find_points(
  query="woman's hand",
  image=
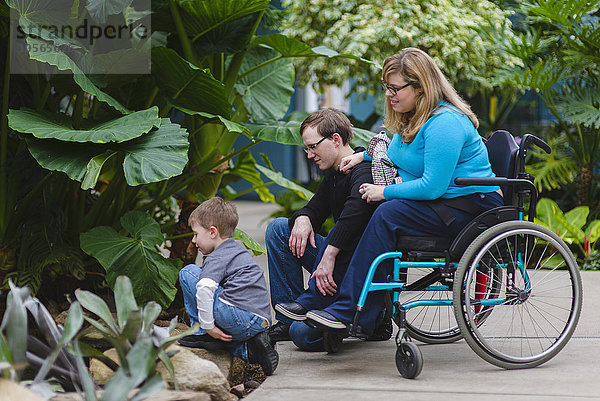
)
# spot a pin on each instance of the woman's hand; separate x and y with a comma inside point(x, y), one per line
point(372, 193)
point(350, 161)
point(218, 334)
point(323, 275)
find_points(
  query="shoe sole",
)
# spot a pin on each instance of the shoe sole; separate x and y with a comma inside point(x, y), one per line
point(289, 314)
point(203, 345)
point(324, 322)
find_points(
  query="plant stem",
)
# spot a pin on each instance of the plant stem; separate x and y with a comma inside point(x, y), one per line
point(181, 185)
point(186, 44)
point(4, 144)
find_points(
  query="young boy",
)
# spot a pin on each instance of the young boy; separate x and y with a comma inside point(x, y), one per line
point(228, 295)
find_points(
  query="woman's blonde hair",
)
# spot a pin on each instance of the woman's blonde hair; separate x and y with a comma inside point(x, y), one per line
point(418, 69)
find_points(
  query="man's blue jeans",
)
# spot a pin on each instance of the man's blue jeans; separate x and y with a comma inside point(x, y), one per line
point(285, 270)
point(240, 324)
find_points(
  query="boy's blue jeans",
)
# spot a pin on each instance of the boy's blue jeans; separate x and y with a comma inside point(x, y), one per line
point(240, 324)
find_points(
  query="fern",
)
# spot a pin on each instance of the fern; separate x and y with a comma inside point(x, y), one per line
point(551, 171)
point(560, 11)
point(581, 105)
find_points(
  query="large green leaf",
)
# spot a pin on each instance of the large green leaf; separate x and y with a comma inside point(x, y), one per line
point(280, 180)
point(266, 88)
point(63, 62)
point(186, 85)
point(286, 132)
point(290, 47)
point(122, 129)
point(153, 276)
point(101, 9)
point(47, 12)
point(231, 126)
point(155, 156)
point(221, 26)
point(249, 242)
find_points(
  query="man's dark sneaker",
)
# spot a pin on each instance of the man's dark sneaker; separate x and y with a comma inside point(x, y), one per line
point(279, 332)
point(324, 320)
point(261, 352)
point(293, 310)
point(202, 341)
point(383, 330)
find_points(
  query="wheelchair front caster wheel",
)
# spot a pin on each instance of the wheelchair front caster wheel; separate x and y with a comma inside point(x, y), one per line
point(409, 360)
point(332, 341)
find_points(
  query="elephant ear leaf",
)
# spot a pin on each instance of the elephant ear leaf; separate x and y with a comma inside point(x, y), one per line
point(135, 255)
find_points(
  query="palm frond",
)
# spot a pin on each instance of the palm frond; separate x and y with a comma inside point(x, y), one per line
point(551, 171)
point(581, 104)
point(559, 11)
point(539, 76)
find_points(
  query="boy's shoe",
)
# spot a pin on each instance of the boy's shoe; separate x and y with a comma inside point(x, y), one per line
point(293, 310)
point(201, 341)
point(324, 320)
point(261, 352)
point(279, 332)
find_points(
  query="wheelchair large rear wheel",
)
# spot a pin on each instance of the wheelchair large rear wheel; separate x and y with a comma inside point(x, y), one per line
point(534, 310)
point(434, 324)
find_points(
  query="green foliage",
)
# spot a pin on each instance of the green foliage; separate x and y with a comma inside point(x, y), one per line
point(570, 225)
point(449, 31)
point(58, 352)
point(113, 137)
point(558, 48)
point(136, 256)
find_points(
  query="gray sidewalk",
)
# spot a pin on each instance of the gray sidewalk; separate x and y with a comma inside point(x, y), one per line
point(367, 371)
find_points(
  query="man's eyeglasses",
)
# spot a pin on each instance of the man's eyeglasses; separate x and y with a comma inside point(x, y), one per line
point(314, 145)
point(394, 89)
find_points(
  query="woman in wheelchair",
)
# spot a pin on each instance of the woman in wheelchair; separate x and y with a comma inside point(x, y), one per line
point(435, 140)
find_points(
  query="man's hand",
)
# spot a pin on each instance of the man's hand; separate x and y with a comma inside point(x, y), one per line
point(350, 161)
point(302, 232)
point(218, 334)
point(372, 193)
point(323, 275)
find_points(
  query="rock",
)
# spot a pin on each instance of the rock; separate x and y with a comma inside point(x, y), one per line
point(197, 374)
point(194, 370)
point(221, 358)
point(164, 395)
point(238, 390)
point(251, 385)
point(99, 371)
point(11, 391)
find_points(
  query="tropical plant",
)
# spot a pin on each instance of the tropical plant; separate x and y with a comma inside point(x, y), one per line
point(558, 48)
point(57, 352)
point(114, 135)
point(570, 227)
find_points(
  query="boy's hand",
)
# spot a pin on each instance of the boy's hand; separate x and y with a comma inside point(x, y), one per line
point(218, 334)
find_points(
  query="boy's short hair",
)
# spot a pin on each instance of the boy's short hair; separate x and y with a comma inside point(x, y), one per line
point(329, 121)
point(216, 212)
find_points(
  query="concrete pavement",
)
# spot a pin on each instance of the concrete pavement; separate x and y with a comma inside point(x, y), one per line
point(367, 371)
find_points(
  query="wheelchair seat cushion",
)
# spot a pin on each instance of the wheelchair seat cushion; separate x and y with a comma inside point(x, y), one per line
point(425, 244)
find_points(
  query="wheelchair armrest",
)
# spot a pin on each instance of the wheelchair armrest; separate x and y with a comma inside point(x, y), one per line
point(499, 181)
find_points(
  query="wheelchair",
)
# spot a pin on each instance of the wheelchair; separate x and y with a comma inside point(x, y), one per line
point(510, 287)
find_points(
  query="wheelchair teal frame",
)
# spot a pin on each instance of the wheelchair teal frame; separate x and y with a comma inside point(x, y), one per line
point(512, 289)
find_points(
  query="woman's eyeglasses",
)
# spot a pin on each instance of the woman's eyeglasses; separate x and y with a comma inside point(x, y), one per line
point(314, 145)
point(394, 89)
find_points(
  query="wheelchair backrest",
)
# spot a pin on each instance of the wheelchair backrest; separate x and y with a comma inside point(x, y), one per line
point(503, 154)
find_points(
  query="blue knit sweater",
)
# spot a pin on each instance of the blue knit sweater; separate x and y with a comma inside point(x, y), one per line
point(446, 147)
